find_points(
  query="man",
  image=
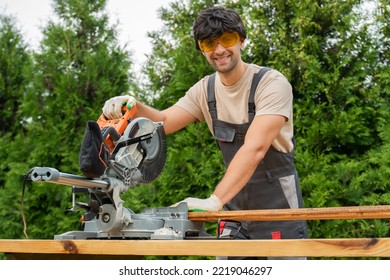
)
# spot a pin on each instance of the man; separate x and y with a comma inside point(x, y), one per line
point(254, 130)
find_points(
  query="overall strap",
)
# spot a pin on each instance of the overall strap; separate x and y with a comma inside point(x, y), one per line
point(255, 81)
point(211, 97)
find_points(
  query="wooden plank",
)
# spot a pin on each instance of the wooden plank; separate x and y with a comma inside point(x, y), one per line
point(330, 213)
point(350, 247)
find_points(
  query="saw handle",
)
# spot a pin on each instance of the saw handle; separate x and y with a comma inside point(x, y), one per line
point(118, 124)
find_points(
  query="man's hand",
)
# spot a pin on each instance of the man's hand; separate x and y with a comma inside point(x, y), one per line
point(112, 108)
point(213, 203)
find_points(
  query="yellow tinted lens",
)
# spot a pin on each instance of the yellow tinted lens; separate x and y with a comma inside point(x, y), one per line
point(226, 40)
point(207, 45)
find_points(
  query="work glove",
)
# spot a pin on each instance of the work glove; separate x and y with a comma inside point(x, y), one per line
point(196, 204)
point(112, 108)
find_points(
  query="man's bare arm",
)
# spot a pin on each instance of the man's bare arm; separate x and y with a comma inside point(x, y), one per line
point(174, 118)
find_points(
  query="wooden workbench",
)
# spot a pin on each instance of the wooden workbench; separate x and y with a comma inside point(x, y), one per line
point(133, 249)
point(130, 249)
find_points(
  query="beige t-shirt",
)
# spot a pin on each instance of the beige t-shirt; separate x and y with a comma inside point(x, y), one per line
point(273, 97)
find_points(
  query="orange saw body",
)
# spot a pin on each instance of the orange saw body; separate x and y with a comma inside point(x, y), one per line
point(119, 126)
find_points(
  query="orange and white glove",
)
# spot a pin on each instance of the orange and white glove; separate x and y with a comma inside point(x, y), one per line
point(213, 203)
point(112, 108)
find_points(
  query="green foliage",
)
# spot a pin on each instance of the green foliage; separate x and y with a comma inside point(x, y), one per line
point(334, 53)
point(14, 63)
point(77, 68)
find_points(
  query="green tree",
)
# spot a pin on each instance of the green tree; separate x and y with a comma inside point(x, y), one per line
point(15, 65)
point(78, 66)
point(15, 61)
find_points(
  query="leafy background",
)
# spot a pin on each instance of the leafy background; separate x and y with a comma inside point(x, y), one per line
point(335, 53)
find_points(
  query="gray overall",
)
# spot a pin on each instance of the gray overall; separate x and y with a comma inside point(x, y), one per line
point(274, 184)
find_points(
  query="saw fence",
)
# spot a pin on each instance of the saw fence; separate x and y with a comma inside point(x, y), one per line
point(130, 249)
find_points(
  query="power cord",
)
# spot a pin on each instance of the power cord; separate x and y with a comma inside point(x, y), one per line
point(26, 177)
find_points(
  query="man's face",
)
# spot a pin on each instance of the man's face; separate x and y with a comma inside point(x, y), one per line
point(223, 53)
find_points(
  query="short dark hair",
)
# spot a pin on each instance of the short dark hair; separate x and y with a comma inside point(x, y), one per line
point(213, 21)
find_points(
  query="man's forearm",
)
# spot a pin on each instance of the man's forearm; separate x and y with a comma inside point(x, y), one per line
point(149, 112)
point(238, 174)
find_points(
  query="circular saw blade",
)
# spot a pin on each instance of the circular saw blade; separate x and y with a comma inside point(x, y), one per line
point(155, 155)
point(139, 156)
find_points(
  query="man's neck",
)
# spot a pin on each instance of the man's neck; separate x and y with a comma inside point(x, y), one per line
point(233, 76)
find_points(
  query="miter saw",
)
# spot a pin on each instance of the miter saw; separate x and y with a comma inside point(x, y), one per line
point(135, 153)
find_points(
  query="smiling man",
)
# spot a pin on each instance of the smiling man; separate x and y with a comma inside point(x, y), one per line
point(248, 109)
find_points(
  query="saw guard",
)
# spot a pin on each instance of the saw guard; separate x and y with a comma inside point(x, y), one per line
point(140, 153)
point(156, 152)
point(135, 145)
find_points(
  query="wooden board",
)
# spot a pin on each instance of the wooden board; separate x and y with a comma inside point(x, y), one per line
point(351, 247)
point(112, 249)
point(330, 213)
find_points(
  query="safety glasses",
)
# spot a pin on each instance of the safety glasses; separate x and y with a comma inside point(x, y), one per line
point(227, 39)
